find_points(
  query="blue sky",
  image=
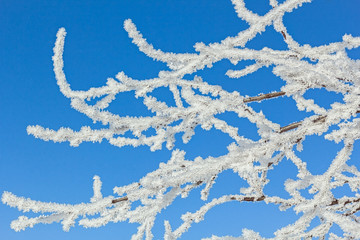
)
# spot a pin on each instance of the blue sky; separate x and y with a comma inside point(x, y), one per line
point(97, 47)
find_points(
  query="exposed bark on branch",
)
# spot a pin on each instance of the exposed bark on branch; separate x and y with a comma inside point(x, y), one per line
point(297, 124)
point(263, 96)
point(122, 199)
point(250, 199)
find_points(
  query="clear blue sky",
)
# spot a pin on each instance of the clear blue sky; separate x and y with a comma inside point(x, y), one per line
point(97, 47)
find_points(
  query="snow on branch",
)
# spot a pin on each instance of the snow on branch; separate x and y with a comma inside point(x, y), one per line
point(331, 69)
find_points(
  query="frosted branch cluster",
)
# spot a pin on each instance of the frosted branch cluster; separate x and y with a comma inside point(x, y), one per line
point(198, 104)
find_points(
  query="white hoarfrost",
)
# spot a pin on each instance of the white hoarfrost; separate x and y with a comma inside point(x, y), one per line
point(330, 68)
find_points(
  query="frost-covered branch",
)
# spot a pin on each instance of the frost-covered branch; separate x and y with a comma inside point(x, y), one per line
point(198, 104)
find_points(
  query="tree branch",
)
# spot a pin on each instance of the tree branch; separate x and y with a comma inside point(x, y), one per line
point(122, 199)
point(264, 96)
point(249, 199)
point(297, 124)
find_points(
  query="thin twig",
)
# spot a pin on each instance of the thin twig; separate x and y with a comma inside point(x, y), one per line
point(294, 125)
point(122, 199)
point(249, 199)
point(263, 96)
